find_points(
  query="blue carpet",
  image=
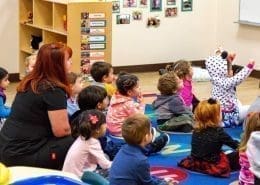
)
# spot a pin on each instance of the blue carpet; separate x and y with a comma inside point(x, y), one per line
point(178, 148)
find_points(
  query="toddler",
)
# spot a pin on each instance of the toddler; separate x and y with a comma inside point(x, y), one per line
point(102, 73)
point(125, 102)
point(4, 82)
point(86, 153)
point(76, 84)
point(171, 112)
point(184, 71)
point(246, 177)
point(253, 153)
point(224, 86)
point(30, 63)
point(207, 140)
point(131, 166)
point(91, 97)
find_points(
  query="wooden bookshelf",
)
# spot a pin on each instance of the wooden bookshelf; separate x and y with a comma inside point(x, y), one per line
point(48, 22)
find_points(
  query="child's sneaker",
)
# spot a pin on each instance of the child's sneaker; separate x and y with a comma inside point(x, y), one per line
point(159, 143)
point(154, 133)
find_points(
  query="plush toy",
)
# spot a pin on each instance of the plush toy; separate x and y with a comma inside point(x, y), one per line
point(224, 84)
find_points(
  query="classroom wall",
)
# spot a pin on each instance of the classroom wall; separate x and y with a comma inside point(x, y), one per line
point(191, 35)
point(242, 39)
point(9, 35)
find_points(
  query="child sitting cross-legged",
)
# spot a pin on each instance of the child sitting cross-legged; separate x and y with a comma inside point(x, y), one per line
point(103, 75)
point(207, 140)
point(131, 166)
point(76, 84)
point(86, 152)
point(171, 112)
point(124, 103)
point(246, 177)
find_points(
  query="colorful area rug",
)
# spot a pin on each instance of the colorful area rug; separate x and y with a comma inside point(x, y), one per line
point(164, 164)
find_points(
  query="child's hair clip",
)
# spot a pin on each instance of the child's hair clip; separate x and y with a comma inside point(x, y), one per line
point(212, 101)
point(93, 119)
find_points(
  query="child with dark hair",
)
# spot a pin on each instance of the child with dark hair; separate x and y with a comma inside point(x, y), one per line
point(122, 103)
point(246, 177)
point(172, 114)
point(91, 97)
point(125, 102)
point(131, 166)
point(102, 73)
point(86, 152)
point(4, 82)
point(75, 81)
point(207, 140)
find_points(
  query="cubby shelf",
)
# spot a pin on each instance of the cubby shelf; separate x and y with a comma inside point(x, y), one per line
point(59, 21)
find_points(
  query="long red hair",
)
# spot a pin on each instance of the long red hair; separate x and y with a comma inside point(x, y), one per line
point(49, 69)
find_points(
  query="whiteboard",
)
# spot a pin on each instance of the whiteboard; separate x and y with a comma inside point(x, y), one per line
point(249, 12)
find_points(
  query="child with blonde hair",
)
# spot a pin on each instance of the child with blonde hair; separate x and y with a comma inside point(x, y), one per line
point(207, 140)
point(76, 84)
point(171, 112)
point(85, 154)
point(253, 153)
point(184, 71)
point(246, 177)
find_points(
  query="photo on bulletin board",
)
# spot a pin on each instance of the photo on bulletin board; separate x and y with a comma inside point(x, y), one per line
point(85, 30)
point(84, 15)
point(153, 22)
point(137, 15)
point(171, 12)
point(115, 6)
point(129, 3)
point(123, 19)
point(186, 5)
point(143, 3)
point(171, 2)
point(156, 5)
point(84, 39)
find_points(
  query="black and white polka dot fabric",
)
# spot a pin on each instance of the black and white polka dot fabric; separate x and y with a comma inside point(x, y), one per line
point(223, 87)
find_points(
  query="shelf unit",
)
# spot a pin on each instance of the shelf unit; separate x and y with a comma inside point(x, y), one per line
point(48, 22)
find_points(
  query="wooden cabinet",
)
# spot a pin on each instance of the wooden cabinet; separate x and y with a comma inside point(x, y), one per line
point(60, 21)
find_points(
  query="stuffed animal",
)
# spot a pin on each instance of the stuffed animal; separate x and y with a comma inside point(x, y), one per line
point(224, 84)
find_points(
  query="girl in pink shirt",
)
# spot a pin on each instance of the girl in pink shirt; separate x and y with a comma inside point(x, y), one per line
point(185, 72)
point(86, 152)
point(246, 177)
point(124, 103)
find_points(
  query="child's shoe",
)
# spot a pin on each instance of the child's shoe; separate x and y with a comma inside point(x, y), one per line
point(158, 144)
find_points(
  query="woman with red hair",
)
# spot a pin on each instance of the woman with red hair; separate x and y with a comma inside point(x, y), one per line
point(37, 132)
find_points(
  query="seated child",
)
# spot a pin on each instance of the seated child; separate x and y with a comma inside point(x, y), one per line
point(184, 71)
point(4, 82)
point(125, 102)
point(91, 97)
point(30, 63)
point(75, 81)
point(207, 140)
point(253, 153)
point(86, 152)
point(252, 124)
point(131, 166)
point(171, 112)
point(102, 73)
point(224, 85)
